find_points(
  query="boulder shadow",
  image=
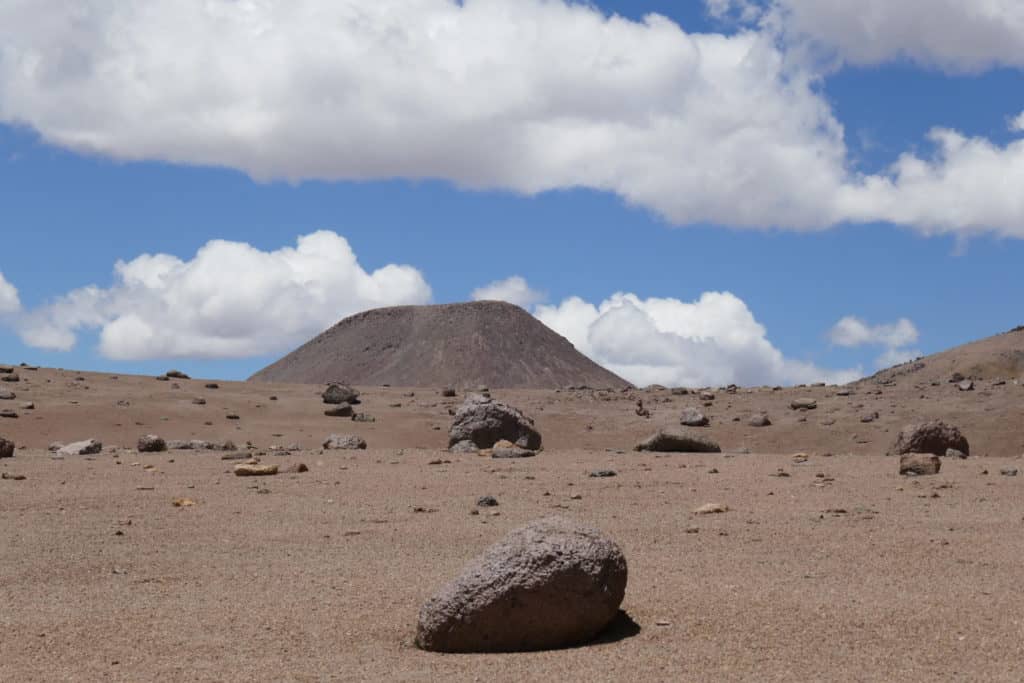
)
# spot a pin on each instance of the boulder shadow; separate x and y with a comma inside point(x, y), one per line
point(621, 628)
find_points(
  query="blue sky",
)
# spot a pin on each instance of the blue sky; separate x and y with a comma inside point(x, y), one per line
point(86, 185)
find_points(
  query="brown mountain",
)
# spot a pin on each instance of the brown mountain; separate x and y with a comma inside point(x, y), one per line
point(461, 345)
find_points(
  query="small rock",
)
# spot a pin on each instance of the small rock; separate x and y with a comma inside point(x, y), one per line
point(177, 374)
point(678, 442)
point(760, 420)
point(954, 453)
point(254, 470)
point(603, 473)
point(966, 385)
point(212, 385)
point(88, 447)
point(692, 417)
point(199, 401)
point(151, 443)
point(12, 377)
point(344, 442)
point(486, 501)
point(9, 414)
point(7, 396)
point(869, 417)
point(6, 448)
point(1008, 471)
point(183, 502)
point(28, 405)
point(803, 404)
point(711, 509)
point(920, 464)
point(448, 392)
point(363, 417)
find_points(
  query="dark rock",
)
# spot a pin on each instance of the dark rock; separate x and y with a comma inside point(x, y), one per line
point(486, 501)
point(1008, 471)
point(212, 385)
point(678, 442)
point(603, 473)
point(340, 393)
point(930, 437)
point(448, 392)
point(340, 410)
point(692, 417)
point(10, 414)
point(485, 422)
point(954, 453)
point(760, 420)
point(88, 447)
point(345, 442)
point(199, 401)
point(7, 396)
point(920, 463)
point(12, 377)
point(177, 374)
point(151, 443)
point(550, 584)
point(6, 448)
point(363, 417)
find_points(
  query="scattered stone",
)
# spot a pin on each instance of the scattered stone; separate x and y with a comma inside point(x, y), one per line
point(340, 410)
point(254, 470)
point(803, 404)
point(760, 420)
point(7, 396)
point(349, 442)
point(297, 468)
point(1008, 471)
point(954, 453)
point(6, 369)
point(151, 443)
point(363, 417)
point(920, 464)
point(162, 378)
point(711, 509)
point(212, 385)
point(485, 421)
point(10, 414)
point(679, 391)
point(486, 501)
point(707, 396)
point(232, 416)
point(692, 417)
point(604, 473)
point(6, 448)
point(88, 447)
point(340, 393)
point(507, 449)
point(177, 374)
point(465, 446)
point(550, 584)
point(678, 442)
point(869, 417)
point(12, 477)
point(966, 385)
point(448, 392)
point(12, 377)
point(28, 405)
point(199, 401)
point(930, 437)
point(183, 502)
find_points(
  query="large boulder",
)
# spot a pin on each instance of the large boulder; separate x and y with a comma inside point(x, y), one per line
point(550, 584)
point(692, 417)
point(484, 421)
point(6, 448)
point(336, 394)
point(678, 442)
point(930, 437)
point(87, 447)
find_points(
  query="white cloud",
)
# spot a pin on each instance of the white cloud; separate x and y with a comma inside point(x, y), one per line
point(9, 301)
point(712, 341)
point(852, 332)
point(953, 35)
point(514, 290)
point(1017, 123)
point(522, 95)
point(229, 300)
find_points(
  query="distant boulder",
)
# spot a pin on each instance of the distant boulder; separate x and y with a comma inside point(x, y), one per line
point(934, 437)
point(678, 442)
point(484, 421)
point(177, 374)
point(340, 393)
point(550, 584)
point(348, 442)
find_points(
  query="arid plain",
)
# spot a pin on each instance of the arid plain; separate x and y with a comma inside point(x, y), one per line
point(828, 565)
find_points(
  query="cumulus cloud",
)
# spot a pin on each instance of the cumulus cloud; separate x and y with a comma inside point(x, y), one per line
point(9, 301)
point(712, 341)
point(230, 300)
point(852, 332)
point(514, 290)
point(1017, 123)
point(953, 35)
point(520, 95)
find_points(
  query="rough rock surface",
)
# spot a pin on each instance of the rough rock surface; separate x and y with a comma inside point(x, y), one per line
point(549, 584)
point(920, 463)
point(151, 443)
point(930, 437)
point(692, 417)
point(484, 421)
point(87, 447)
point(349, 442)
point(678, 442)
point(337, 394)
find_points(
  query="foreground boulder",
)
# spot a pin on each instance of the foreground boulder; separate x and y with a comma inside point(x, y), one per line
point(550, 584)
point(87, 447)
point(337, 394)
point(678, 442)
point(151, 443)
point(920, 464)
point(343, 442)
point(484, 421)
point(930, 437)
point(6, 448)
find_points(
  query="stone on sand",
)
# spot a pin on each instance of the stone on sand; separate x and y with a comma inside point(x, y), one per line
point(549, 584)
point(803, 404)
point(484, 421)
point(87, 447)
point(151, 443)
point(7, 396)
point(339, 393)
point(920, 463)
point(934, 436)
point(255, 470)
point(6, 448)
point(678, 442)
point(759, 420)
point(349, 442)
point(692, 417)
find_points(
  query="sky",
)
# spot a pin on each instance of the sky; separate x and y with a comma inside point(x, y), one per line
point(694, 193)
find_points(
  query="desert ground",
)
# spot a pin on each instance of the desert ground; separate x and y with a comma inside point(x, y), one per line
point(827, 566)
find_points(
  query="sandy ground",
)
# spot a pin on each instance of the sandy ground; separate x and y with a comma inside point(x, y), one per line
point(841, 571)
